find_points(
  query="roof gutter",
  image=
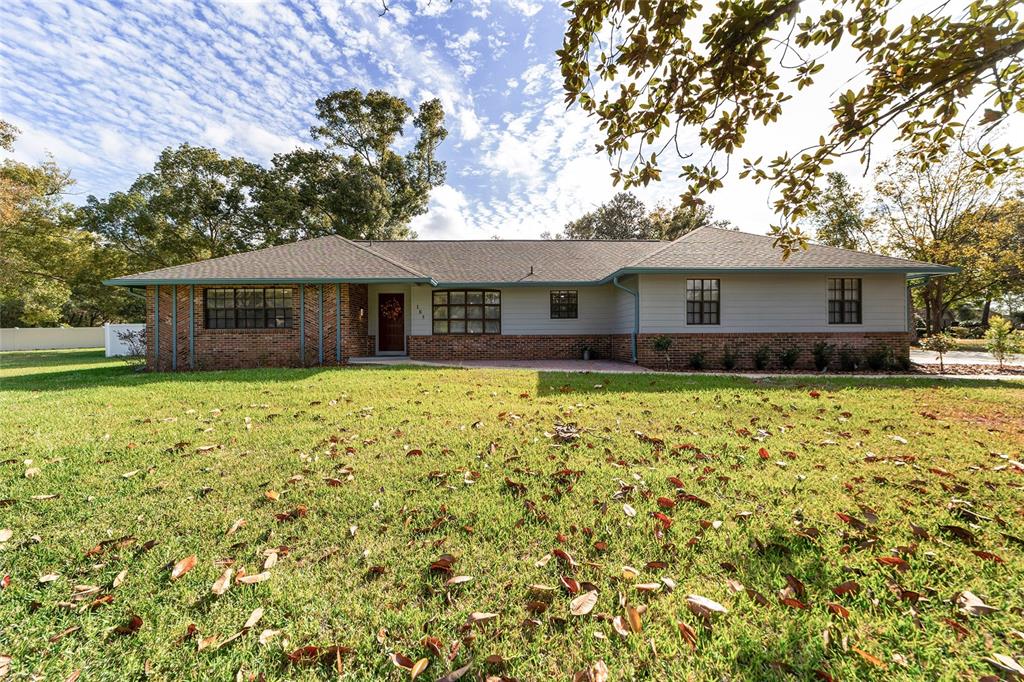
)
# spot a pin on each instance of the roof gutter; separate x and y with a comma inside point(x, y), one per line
point(270, 280)
point(636, 315)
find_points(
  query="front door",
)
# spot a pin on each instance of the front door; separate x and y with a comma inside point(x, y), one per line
point(391, 323)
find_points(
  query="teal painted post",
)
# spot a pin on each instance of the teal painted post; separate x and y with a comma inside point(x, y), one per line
point(337, 322)
point(192, 326)
point(302, 324)
point(320, 321)
point(174, 327)
point(156, 326)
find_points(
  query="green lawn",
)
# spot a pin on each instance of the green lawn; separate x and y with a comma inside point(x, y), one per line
point(113, 476)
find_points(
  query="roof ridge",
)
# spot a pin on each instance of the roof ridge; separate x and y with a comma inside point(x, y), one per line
point(384, 258)
point(652, 254)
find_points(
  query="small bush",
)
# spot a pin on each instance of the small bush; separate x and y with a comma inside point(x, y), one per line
point(761, 357)
point(1001, 340)
point(849, 360)
point(729, 358)
point(822, 355)
point(135, 341)
point(879, 358)
point(789, 357)
point(662, 344)
point(941, 344)
point(960, 332)
point(902, 363)
point(697, 361)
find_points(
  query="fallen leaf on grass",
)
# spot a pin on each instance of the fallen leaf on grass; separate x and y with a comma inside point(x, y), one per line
point(183, 567)
point(480, 617)
point(838, 610)
point(583, 604)
point(873, 660)
point(272, 495)
point(119, 579)
point(704, 607)
point(849, 587)
point(235, 526)
point(455, 675)
point(253, 579)
point(129, 628)
point(308, 655)
point(221, 585)
point(689, 635)
point(458, 580)
point(6, 534)
point(1006, 665)
point(595, 672)
point(972, 604)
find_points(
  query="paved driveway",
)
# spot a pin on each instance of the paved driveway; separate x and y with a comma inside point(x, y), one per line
point(961, 357)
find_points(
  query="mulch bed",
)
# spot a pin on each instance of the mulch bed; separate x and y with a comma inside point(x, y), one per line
point(967, 370)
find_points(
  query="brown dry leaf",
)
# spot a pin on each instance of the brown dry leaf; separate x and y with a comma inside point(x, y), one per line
point(235, 526)
point(272, 495)
point(633, 616)
point(253, 618)
point(480, 616)
point(583, 604)
point(1006, 665)
point(119, 579)
point(253, 579)
point(595, 672)
point(418, 667)
point(5, 666)
point(32, 472)
point(6, 534)
point(221, 585)
point(689, 635)
point(49, 578)
point(972, 604)
point(704, 607)
point(458, 580)
point(270, 561)
point(183, 567)
point(455, 675)
point(131, 627)
point(267, 635)
point(873, 660)
point(628, 510)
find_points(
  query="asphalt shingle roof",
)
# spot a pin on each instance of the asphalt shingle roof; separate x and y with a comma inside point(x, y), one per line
point(517, 261)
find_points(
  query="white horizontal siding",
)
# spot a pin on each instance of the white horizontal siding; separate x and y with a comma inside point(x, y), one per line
point(526, 311)
point(772, 303)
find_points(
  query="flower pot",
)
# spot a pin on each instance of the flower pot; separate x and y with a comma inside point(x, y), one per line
point(588, 354)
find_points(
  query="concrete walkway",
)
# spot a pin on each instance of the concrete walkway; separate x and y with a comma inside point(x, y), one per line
point(615, 367)
point(962, 357)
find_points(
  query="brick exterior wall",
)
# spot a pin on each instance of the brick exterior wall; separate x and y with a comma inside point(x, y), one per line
point(229, 348)
point(744, 346)
point(237, 348)
point(502, 347)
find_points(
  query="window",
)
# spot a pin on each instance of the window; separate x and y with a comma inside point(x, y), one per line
point(248, 308)
point(844, 301)
point(467, 312)
point(564, 305)
point(702, 301)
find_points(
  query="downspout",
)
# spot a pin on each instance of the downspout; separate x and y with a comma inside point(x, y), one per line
point(636, 315)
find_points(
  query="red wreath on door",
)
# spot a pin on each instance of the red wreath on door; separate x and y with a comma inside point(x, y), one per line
point(391, 310)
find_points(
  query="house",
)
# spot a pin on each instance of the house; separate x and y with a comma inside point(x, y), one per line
point(325, 301)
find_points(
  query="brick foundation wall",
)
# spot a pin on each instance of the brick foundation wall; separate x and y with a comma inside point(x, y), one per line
point(744, 346)
point(505, 347)
point(238, 348)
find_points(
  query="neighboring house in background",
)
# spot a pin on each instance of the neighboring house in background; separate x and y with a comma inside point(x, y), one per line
point(327, 300)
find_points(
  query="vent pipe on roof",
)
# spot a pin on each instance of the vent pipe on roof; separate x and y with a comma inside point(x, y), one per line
point(531, 270)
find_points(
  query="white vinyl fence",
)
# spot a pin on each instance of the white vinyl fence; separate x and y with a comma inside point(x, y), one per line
point(114, 345)
point(47, 338)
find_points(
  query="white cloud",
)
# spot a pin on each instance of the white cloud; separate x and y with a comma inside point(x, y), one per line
point(447, 217)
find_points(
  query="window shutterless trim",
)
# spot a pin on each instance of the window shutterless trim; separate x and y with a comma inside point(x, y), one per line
point(564, 304)
point(703, 302)
point(234, 308)
point(845, 300)
point(450, 309)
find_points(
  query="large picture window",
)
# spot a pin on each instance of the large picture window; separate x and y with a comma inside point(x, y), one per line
point(844, 301)
point(467, 312)
point(248, 308)
point(564, 304)
point(702, 302)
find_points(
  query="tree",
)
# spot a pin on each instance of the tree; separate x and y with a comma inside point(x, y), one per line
point(648, 70)
point(839, 217)
point(48, 272)
point(1002, 340)
point(945, 213)
point(194, 204)
point(622, 217)
point(358, 186)
point(672, 223)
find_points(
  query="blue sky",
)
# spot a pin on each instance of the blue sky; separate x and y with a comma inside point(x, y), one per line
point(104, 86)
